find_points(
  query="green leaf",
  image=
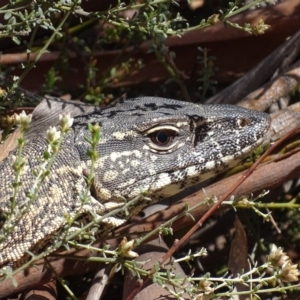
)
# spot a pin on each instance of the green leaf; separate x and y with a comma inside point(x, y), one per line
point(7, 15)
point(16, 40)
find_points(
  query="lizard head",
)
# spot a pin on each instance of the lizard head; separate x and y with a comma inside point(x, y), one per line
point(162, 146)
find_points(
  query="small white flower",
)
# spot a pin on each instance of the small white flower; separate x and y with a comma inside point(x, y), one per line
point(277, 257)
point(205, 286)
point(290, 273)
point(23, 120)
point(53, 134)
point(65, 122)
point(125, 249)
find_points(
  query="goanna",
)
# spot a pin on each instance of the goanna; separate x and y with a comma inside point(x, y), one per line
point(150, 144)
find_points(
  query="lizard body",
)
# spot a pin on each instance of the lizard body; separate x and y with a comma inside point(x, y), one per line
point(150, 144)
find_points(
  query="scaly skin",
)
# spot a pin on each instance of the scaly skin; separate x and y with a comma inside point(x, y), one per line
point(157, 145)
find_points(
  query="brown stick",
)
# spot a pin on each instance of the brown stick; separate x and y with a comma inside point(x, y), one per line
point(271, 92)
point(259, 74)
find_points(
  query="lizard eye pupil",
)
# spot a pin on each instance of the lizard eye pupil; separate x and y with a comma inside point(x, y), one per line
point(162, 137)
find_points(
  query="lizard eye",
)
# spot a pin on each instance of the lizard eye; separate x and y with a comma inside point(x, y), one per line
point(162, 137)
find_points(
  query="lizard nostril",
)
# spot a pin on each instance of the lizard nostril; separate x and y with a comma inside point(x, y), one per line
point(243, 122)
